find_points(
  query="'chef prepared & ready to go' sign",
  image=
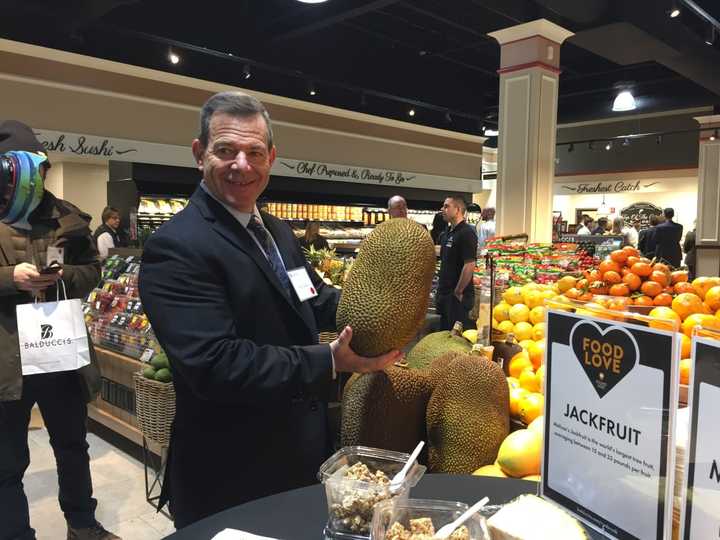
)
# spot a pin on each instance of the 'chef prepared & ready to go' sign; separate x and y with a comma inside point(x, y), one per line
point(610, 401)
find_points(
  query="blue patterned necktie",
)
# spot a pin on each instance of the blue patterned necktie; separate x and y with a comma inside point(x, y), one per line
point(256, 227)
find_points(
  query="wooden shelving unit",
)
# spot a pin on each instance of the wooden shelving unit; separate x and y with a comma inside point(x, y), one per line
point(119, 369)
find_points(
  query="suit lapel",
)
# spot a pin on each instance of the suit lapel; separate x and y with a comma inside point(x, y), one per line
point(228, 227)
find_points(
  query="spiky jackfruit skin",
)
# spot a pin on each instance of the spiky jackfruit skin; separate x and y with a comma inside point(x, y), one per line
point(434, 345)
point(386, 409)
point(386, 295)
point(467, 415)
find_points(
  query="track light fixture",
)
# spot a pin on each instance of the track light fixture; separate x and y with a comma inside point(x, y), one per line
point(571, 147)
point(626, 142)
point(591, 146)
point(174, 58)
point(659, 139)
point(448, 117)
point(714, 136)
point(411, 112)
point(246, 72)
point(710, 36)
point(609, 146)
point(311, 88)
point(674, 9)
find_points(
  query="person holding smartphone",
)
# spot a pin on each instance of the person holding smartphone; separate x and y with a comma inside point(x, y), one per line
point(42, 239)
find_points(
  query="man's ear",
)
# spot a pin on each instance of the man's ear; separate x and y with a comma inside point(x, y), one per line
point(272, 155)
point(198, 151)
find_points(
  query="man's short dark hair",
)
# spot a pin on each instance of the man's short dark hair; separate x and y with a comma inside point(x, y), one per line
point(108, 212)
point(233, 104)
point(459, 202)
point(488, 213)
point(669, 213)
point(654, 220)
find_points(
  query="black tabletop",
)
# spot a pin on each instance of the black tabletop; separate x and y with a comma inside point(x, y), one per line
point(302, 513)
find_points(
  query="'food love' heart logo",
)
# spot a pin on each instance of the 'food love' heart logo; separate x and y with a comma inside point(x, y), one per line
point(606, 356)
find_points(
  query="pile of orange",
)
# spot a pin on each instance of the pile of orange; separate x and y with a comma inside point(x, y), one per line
point(629, 279)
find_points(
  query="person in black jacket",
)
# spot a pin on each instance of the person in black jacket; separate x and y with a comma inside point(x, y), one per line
point(241, 332)
point(646, 238)
point(690, 256)
point(668, 235)
point(312, 237)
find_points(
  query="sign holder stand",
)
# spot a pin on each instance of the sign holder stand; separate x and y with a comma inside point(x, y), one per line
point(610, 460)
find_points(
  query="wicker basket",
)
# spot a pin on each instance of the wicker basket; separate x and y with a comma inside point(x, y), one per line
point(327, 337)
point(155, 407)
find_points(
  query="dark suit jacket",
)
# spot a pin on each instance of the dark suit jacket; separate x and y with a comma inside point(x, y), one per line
point(647, 242)
point(250, 379)
point(667, 236)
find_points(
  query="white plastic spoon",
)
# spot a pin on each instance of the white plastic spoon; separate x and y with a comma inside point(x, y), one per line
point(398, 479)
point(446, 530)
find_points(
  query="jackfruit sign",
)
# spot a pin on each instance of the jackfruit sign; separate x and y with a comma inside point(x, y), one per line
point(610, 404)
point(700, 518)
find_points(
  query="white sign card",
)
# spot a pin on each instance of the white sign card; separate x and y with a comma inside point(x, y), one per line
point(302, 284)
point(700, 518)
point(610, 403)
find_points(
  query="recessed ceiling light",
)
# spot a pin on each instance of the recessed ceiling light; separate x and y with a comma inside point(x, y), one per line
point(624, 101)
point(411, 112)
point(246, 72)
point(174, 58)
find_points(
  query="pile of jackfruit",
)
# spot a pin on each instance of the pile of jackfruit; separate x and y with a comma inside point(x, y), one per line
point(455, 399)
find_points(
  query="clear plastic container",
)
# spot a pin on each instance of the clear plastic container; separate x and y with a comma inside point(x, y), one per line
point(351, 502)
point(441, 513)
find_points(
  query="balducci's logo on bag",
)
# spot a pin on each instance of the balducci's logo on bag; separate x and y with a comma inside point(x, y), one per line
point(605, 356)
point(46, 339)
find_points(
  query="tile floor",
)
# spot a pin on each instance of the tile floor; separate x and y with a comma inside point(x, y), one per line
point(119, 487)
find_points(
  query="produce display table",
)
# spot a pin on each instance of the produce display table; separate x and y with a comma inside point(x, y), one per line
point(302, 513)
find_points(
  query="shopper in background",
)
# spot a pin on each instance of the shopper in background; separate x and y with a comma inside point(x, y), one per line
point(439, 225)
point(312, 237)
point(646, 238)
point(486, 228)
point(690, 256)
point(620, 229)
point(106, 235)
point(251, 380)
point(631, 233)
point(397, 207)
point(27, 228)
point(668, 235)
point(458, 251)
point(601, 227)
point(585, 224)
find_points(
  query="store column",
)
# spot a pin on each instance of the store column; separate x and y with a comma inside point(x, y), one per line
point(707, 236)
point(529, 73)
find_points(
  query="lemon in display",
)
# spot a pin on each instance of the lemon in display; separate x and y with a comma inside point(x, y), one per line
point(506, 327)
point(539, 331)
point(523, 331)
point(501, 312)
point(537, 314)
point(513, 296)
point(519, 313)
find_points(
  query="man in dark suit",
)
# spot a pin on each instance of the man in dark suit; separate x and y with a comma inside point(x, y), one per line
point(667, 236)
point(646, 239)
point(219, 285)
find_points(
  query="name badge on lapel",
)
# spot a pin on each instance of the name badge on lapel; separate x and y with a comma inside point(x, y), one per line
point(302, 284)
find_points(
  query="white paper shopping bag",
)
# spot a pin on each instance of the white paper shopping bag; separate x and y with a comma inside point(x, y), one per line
point(52, 337)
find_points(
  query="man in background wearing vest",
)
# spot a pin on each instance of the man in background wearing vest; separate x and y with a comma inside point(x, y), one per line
point(106, 235)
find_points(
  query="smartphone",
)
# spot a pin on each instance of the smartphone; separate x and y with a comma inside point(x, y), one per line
point(54, 268)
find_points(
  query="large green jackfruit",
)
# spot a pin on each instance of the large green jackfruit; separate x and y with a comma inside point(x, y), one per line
point(386, 409)
point(385, 297)
point(436, 344)
point(467, 415)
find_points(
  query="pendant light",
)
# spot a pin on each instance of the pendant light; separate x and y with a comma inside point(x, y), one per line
point(603, 210)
